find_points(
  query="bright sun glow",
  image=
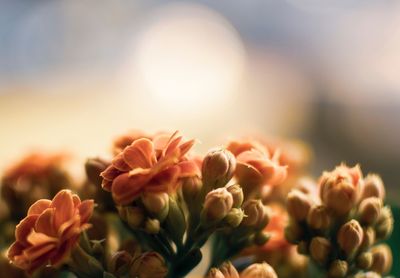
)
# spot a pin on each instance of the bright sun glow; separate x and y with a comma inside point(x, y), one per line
point(189, 56)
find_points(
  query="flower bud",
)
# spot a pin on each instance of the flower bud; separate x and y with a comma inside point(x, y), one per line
point(318, 218)
point(215, 273)
point(93, 168)
point(134, 216)
point(257, 214)
point(350, 236)
point(259, 270)
point(382, 259)
point(228, 270)
point(319, 249)
point(218, 167)
point(152, 226)
point(191, 188)
point(298, 204)
point(148, 265)
point(217, 205)
point(373, 187)
point(340, 189)
point(261, 238)
point(119, 263)
point(370, 209)
point(338, 269)
point(364, 260)
point(237, 194)
point(368, 238)
point(293, 232)
point(156, 203)
point(384, 225)
point(234, 217)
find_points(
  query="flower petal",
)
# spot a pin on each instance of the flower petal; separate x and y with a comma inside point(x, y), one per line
point(126, 188)
point(188, 168)
point(45, 222)
point(110, 173)
point(39, 206)
point(86, 210)
point(24, 228)
point(140, 154)
point(119, 163)
point(64, 207)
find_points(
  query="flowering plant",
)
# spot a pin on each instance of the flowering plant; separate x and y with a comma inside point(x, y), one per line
point(150, 209)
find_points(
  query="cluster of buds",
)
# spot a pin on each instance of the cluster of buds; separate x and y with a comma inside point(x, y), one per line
point(227, 270)
point(340, 229)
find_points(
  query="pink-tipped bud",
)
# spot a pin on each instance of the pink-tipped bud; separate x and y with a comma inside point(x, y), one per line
point(373, 187)
point(218, 167)
point(259, 270)
point(384, 225)
point(237, 194)
point(369, 210)
point(215, 273)
point(298, 204)
point(382, 259)
point(350, 237)
point(228, 270)
point(217, 205)
point(257, 213)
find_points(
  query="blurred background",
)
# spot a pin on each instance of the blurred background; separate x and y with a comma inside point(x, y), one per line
point(74, 74)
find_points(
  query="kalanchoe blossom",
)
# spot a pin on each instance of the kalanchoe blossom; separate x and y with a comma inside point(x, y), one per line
point(149, 166)
point(50, 231)
point(255, 165)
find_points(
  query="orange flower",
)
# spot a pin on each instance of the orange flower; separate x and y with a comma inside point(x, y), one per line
point(149, 165)
point(276, 227)
point(50, 231)
point(124, 140)
point(255, 165)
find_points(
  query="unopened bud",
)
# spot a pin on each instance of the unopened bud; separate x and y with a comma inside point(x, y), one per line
point(237, 194)
point(382, 259)
point(338, 269)
point(373, 187)
point(319, 249)
point(217, 205)
point(119, 263)
point(261, 238)
point(234, 217)
point(259, 270)
point(218, 167)
point(368, 238)
point(293, 232)
point(369, 210)
point(258, 215)
point(93, 168)
point(134, 216)
point(350, 236)
point(148, 265)
point(384, 225)
point(191, 188)
point(319, 218)
point(364, 260)
point(298, 204)
point(215, 273)
point(157, 204)
point(228, 270)
point(152, 226)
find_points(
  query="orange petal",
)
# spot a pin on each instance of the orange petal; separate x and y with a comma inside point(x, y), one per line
point(24, 228)
point(140, 154)
point(76, 200)
point(188, 168)
point(70, 228)
point(126, 188)
point(119, 163)
point(64, 207)
point(106, 185)
point(86, 210)
point(45, 222)
point(164, 181)
point(185, 147)
point(39, 206)
point(37, 239)
point(110, 173)
point(15, 249)
point(34, 252)
point(247, 174)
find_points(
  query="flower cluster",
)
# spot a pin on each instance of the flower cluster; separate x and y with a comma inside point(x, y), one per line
point(149, 209)
point(340, 228)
